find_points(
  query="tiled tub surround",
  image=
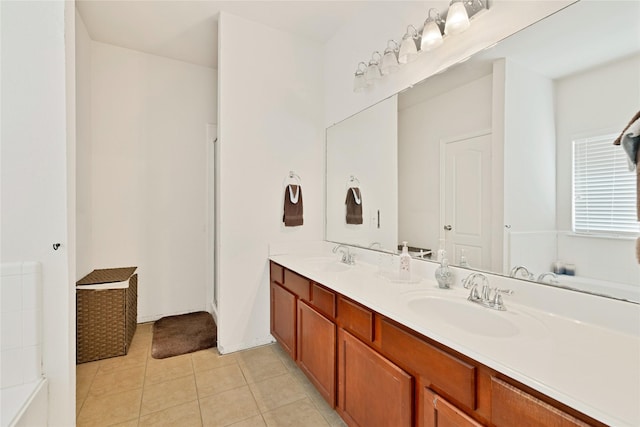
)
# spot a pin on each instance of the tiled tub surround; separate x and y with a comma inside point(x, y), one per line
point(21, 338)
point(578, 349)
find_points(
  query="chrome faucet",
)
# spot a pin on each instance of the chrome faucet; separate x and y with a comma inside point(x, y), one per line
point(523, 270)
point(553, 280)
point(347, 257)
point(487, 296)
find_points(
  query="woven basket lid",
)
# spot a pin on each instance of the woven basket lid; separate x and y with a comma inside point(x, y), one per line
point(107, 275)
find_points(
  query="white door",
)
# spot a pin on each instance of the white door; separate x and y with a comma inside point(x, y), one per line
point(212, 291)
point(465, 218)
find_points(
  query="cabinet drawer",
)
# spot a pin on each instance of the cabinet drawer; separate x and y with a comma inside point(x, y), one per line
point(511, 406)
point(440, 371)
point(323, 300)
point(355, 318)
point(296, 284)
point(277, 272)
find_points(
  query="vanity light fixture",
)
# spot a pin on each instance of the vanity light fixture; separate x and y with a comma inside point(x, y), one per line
point(457, 18)
point(451, 22)
point(373, 69)
point(431, 32)
point(359, 82)
point(389, 62)
point(408, 49)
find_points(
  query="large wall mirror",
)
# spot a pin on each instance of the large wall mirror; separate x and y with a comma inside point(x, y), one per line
point(484, 159)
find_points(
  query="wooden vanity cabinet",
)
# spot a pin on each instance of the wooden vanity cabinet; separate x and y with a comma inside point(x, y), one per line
point(302, 322)
point(377, 372)
point(372, 391)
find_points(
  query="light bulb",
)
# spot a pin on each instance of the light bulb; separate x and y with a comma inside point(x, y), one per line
point(457, 19)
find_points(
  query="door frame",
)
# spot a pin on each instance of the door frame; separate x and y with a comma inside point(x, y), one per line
point(210, 195)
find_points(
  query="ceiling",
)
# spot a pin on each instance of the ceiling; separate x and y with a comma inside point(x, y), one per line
point(188, 30)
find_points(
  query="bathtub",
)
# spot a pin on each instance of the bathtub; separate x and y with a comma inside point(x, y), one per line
point(23, 388)
point(25, 405)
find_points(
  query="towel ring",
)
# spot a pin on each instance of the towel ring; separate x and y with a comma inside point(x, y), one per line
point(353, 181)
point(292, 178)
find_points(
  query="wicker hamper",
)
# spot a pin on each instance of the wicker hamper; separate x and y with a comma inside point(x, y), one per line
point(106, 319)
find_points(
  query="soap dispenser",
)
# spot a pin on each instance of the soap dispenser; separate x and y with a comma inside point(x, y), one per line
point(444, 275)
point(405, 263)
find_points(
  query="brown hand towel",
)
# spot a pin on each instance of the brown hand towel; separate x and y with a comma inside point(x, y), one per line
point(354, 207)
point(292, 216)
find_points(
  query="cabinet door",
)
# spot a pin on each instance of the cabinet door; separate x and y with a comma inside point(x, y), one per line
point(440, 413)
point(283, 318)
point(511, 406)
point(317, 350)
point(372, 391)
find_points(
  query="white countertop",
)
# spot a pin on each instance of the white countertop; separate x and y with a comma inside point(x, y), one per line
point(591, 367)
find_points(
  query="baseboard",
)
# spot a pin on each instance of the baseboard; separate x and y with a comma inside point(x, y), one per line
point(226, 349)
point(212, 309)
point(154, 317)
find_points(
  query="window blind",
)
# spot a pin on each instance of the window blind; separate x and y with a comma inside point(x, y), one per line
point(604, 190)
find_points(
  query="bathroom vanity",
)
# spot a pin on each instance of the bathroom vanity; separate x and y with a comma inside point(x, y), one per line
point(385, 353)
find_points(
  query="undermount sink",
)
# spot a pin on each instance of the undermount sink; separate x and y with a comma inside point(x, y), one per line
point(328, 264)
point(466, 315)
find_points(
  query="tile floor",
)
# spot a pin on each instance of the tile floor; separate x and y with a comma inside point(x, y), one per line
point(258, 387)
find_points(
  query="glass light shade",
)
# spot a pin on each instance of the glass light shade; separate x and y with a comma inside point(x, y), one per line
point(457, 19)
point(431, 36)
point(373, 72)
point(359, 83)
point(408, 50)
point(389, 63)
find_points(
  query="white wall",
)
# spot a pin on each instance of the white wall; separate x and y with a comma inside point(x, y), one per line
point(421, 126)
point(84, 198)
point(147, 160)
point(369, 31)
point(270, 122)
point(364, 146)
point(598, 101)
point(529, 150)
point(38, 177)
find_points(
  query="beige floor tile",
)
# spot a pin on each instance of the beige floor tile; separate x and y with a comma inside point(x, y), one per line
point(161, 370)
point(146, 327)
point(167, 394)
point(130, 423)
point(210, 358)
point(83, 384)
point(256, 421)
point(228, 407)
point(131, 360)
point(259, 355)
point(260, 364)
point(184, 415)
point(87, 370)
point(276, 392)
point(117, 381)
point(218, 380)
point(301, 413)
point(111, 409)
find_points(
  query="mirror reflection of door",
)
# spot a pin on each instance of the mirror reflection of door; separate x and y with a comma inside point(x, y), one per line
point(465, 218)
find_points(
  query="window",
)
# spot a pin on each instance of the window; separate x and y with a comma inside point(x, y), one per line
point(604, 190)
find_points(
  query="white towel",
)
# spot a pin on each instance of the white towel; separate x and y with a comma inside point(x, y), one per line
point(357, 199)
point(294, 197)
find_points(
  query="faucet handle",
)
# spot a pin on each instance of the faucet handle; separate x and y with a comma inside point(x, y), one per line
point(497, 302)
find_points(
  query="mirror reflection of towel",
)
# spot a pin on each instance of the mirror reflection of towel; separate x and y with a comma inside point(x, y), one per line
point(354, 206)
point(292, 216)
